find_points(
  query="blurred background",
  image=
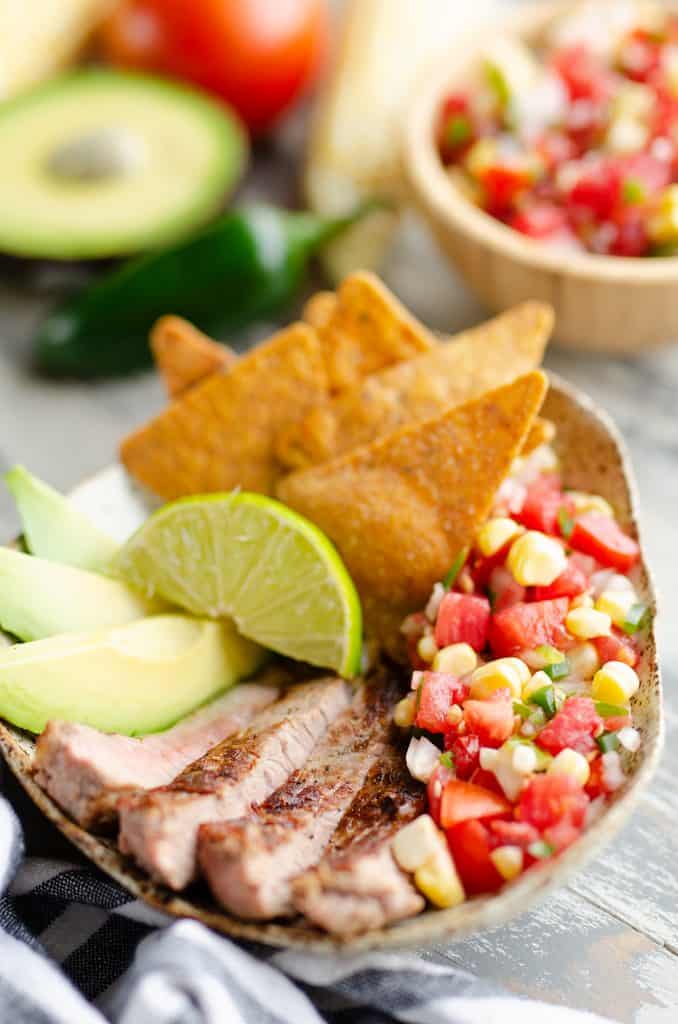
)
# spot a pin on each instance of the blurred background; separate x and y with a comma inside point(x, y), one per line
point(133, 133)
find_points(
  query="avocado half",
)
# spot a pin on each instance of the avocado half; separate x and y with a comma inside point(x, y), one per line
point(103, 163)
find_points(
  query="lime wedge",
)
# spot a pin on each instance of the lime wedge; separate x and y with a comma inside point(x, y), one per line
point(250, 558)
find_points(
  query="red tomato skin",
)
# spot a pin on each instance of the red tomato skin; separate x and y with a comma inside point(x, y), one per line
point(528, 626)
point(542, 502)
point(540, 220)
point(438, 691)
point(462, 801)
point(602, 538)
point(434, 789)
point(465, 752)
point(584, 74)
point(513, 833)
point(569, 584)
point(257, 55)
point(490, 721)
point(463, 618)
point(616, 647)
point(505, 590)
point(548, 800)
point(469, 844)
point(576, 725)
point(488, 780)
point(562, 835)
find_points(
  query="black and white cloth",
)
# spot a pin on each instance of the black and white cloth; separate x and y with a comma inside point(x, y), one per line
point(75, 948)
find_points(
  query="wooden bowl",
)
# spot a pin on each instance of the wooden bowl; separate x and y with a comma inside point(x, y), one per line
point(607, 304)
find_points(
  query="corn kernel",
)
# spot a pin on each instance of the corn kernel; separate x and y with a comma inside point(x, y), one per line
point(498, 675)
point(457, 660)
point(427, 648)
point(438, 880)
point(495, 533)
point(588, 623)
point(536, 560)
point(455, 715)
point(584, 503)
point(615, 683)
point(416, 843)
point(405, 711)
point(536, 682)
point(570, 762)
point(663, 225)
point(617, 604)
point(508, 860)
point(584, 661)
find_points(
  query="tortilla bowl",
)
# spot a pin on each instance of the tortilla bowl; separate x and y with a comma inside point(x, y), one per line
point(593, 458)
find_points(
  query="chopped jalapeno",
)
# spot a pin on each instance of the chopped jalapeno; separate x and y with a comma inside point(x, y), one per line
point(636, 618)
point(457, 130)
point(550, 655)
point(611, 710)
point(607, 741)
point(546, 700)
point(540, 850)
point(557, 669)
point(633, 192)
point(521, 709)
point(565, 522)
point(447, 760)
point(455, 569)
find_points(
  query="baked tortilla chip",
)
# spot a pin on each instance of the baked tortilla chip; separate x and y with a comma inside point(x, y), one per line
point(400, 509)
point(220, 434)
point(453, 372)
point(184, 355)
point(541, 432)
point(319, 308)
point(366, 330)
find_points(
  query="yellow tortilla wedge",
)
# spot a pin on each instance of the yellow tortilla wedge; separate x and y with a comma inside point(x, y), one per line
point(421, 388)
point(319, 308)
point(365, 330)
point(400, 509)
point(184, 355)
point(220, 434)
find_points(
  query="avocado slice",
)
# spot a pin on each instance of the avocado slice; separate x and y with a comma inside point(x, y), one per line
point(101, 163)
point(136, 679)
point(42, 599)
point(54, 528)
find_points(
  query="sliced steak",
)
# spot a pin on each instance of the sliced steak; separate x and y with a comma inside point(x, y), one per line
point(357, 885)
point(159, 828)
point(86, 771)
point(249, 864)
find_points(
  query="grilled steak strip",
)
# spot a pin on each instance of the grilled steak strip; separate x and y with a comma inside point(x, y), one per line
point(86, 771)
point(249, 864)
point(159, 828)
point(357, 885)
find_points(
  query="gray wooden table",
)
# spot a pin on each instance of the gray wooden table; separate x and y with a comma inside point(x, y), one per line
point(609, 942)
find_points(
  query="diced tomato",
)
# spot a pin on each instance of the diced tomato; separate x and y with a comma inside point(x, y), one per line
point(465, 751)
point(639, 55)
point(488, 780)
point(542, 502)
point(528, 626)
point(597, 191)
point(434, 790)
point(464, 800)
point(616, 647)
point(513, 833)
point(648, 171)
point(630, 235)
point(598, 782)
point(562, 835)
point(555, 149)
point(490, 721)
point(575, 726)
point(584, 563)
point(483, 567)
point(568, 584)
point(456, 129)
point(505, 590)
point(601, 537)
point(470, 846)
point(617, 722)
point(548, 800)
point(463, 618)
point(503, 183)
point(438, 691)
point(584, 74)
point(539, 220)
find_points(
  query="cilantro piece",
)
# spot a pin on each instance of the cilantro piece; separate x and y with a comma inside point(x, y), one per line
point(456, 567)
point(565, 522)
point(447, 760)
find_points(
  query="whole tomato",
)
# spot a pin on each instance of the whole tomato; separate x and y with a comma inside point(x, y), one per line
point(258, 55)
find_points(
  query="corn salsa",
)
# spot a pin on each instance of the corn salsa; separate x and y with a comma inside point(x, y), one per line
point(575, 144)
point(523, 677)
